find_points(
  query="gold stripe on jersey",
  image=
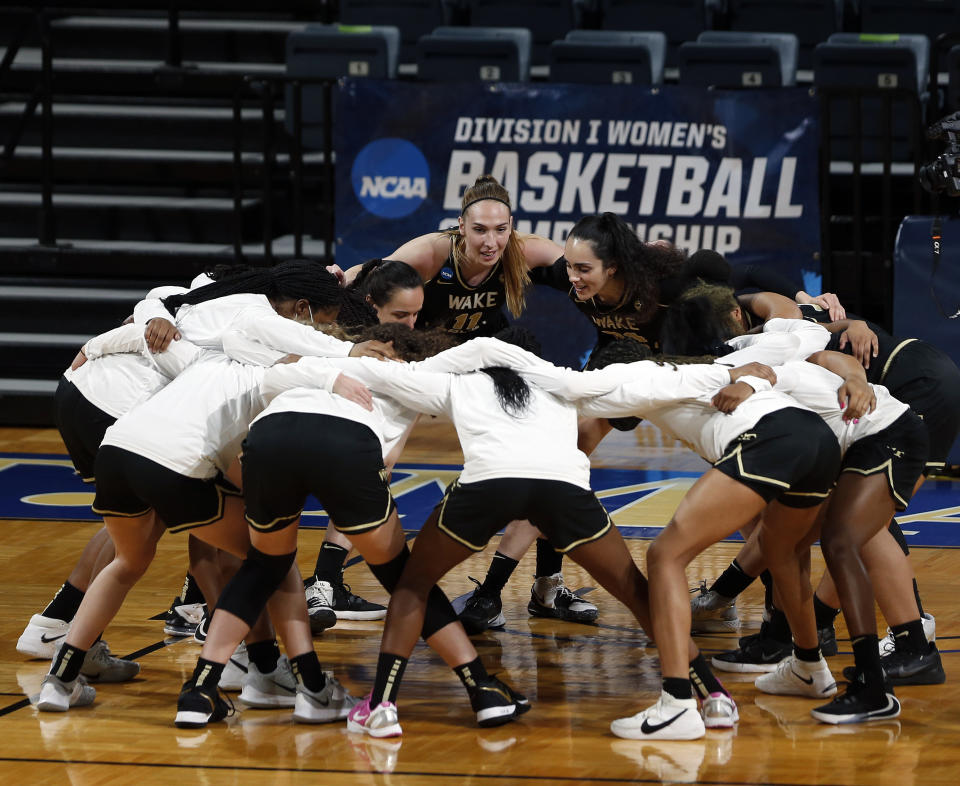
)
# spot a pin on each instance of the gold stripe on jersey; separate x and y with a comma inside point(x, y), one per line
point(270, 525)
point(215, 517)
point(886, 467)
point(591, 538)
point(455, 536)
point(744, 474)
point(370, 524)
point(896, 349)
point(118, 514)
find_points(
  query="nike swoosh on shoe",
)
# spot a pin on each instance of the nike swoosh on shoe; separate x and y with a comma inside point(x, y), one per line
point(650, 728)
point(45, 640)
point(284, 687)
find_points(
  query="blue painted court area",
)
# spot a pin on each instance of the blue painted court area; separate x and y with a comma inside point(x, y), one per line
point(45, 487)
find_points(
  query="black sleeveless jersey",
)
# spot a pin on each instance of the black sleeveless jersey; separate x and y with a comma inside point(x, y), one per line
point(888, 347)
point(612, 323)
point(449, 302)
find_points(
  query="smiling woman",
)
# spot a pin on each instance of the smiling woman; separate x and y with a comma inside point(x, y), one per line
point(471, 271)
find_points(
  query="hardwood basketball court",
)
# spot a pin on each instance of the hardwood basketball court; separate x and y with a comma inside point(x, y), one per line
point(577, 677)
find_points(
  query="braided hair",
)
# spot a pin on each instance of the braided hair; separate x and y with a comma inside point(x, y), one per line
point(639, 265)
point(293, 279)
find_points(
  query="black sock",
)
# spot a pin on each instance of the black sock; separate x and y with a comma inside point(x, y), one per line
point(471, 673)
point(264, 655)
point(330, 561)
point(811, 655)
point(307, 670)
point(549, 560)
point(916, 594)
point(825, 614)
point(732, 581)
point(66, 665)
point(207, 674)
point(703, 679)
point(910, 637)
point(866, 656)
point(190, 593)
point(777, 627)
point(677, 687)
point(386, 685)
point(498, 574)
point(64, 604)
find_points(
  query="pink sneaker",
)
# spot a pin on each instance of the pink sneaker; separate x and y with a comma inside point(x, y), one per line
point(719, 711)
point(381, 721)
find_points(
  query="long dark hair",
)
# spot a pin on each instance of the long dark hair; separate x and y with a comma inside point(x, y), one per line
point(641, 266)
point(512, 390)
point(290, 280)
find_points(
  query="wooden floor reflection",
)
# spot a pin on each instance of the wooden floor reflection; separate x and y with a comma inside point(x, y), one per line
point(578, 678)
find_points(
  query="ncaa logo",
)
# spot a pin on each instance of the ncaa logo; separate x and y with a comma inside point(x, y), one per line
point(446, 274)
point(390, 177)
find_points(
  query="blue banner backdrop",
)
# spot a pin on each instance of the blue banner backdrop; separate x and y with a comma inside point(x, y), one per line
point(735, 171)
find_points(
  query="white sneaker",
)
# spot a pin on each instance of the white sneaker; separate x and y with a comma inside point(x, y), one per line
point(100, 665)
point(719, 711)
point(795, 677)
point(667, 762)
point(332, 703)
point(277, 688)
point(41, 636)
point(59, 696)
point(235, 670)
point(887, 644)
point(713, 613)
point(668, 719)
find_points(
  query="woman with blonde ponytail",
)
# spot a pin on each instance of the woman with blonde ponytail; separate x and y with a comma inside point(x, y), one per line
point(471, 271)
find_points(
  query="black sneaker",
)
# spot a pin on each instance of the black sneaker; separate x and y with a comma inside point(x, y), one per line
point(757, 653)
point(197, 707)
point(550, 597)
point(909, 668)
point(859, 705)
point(482, 611)
point(337, 596)
point(182, 619)
point(828, 641)
point(496, 703)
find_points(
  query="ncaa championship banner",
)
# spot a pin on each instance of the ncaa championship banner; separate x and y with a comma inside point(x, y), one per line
point(735, 171)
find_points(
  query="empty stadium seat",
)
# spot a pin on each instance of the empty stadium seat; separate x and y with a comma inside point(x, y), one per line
point(490, 54)
point(609, 57)
point(853, 60)
point(332, 51)
point(732, 59)
point(414, 18)
point(679, 20)
point(811, 21)
point(923, 17)
point(547, 20)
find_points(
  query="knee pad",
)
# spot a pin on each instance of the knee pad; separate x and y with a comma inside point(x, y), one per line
point(388, 574)
point(439, 612)
point(898, 536)
point(248, 591)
